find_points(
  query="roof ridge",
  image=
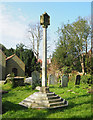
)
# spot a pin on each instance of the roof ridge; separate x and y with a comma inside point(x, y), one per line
point(13, 56)
point(10, 57)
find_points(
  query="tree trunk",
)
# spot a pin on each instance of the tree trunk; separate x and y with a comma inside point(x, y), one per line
point(33, 45)
point(38, 41)
point(82, 63)
point(37, 49)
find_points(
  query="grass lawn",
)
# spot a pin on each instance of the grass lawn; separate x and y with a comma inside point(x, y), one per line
point(78, 98)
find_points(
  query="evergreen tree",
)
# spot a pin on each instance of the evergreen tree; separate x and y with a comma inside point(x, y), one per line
point(72, 44)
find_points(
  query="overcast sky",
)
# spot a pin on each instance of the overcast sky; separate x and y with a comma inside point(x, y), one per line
point(15, 17)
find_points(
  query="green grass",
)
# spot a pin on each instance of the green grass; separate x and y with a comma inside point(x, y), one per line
point(79, 102)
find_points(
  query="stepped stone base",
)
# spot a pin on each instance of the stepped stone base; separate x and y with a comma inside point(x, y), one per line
point(44, 99)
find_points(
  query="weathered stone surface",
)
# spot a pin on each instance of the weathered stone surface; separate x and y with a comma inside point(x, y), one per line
point(44, 89)
point(64, 81)
point(44, 60)
point(15, 65)
point(15, 81)
point(78, 77)
point(44, 100)
point(45, 20)
point(28, 80)
point(2, 65)
point(38, 88)
point(52, 79)
point(35, 79)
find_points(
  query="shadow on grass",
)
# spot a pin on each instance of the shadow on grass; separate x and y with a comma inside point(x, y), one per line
point(9, 106)
point(38, 113)
point(77, 86)
point(51, 86)
point(7, 94)
point(78, 96)
point(70, 106)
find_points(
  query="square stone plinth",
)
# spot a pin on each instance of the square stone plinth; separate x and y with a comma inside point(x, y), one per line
point(44, 89)
point(44, 100)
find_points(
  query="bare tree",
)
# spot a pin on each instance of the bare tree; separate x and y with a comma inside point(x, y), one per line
point(31, 31)
point(38, 35)
point(35, 36)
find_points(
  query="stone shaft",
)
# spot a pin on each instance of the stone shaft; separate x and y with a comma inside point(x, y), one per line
point(44, 61)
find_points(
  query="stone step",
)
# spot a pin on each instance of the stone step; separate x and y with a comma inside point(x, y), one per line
point(53, 97)
point(57, 103)
point(54, 100)
point(44, 100)
point(59, 106)
point(50, 94)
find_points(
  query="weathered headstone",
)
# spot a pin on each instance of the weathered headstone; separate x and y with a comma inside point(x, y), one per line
point(78, 77)
point(88, 80)
point(28, 80)
point(49, 79)
point(35, 79)
point(52, 79)
point(64, 82)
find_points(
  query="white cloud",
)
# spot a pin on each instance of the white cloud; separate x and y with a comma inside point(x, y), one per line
point(19, 9)
point(12, 31)
point(21, 17)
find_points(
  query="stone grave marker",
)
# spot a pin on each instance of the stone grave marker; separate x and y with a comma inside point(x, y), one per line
point(78, 77)
point(49, 79)
point(64, 81)
point(52, 79)
point(28, 80)
point(35, 79)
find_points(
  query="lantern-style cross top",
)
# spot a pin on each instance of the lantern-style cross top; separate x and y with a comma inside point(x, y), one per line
point(45, 20)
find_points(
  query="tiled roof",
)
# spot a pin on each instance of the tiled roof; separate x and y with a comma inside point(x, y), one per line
point(39, 60)
point(10, 57)
point(13, 56)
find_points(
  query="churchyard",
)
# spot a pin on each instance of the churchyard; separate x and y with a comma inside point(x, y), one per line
point(78, 97)
point(58, 94)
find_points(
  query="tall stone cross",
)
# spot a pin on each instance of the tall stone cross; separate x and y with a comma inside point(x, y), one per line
point(44, 21)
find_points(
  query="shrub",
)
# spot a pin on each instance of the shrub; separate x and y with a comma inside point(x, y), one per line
point(86, 79)
point(10, 80)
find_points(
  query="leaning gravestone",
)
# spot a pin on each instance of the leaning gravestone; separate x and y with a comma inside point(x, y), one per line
point(28, 80)
point(35, 79)
point(52, 79)
point(78, 77)
point(64, 82)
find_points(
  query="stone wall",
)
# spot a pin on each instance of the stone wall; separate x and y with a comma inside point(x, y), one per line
point(15, 62)
point(2, 65)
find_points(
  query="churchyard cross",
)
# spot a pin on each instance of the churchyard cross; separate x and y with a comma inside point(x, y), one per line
point(44, 21)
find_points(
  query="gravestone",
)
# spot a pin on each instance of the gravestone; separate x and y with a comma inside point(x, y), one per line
point(64, 81)
point(78, 77)
point(49, 79)
point(52, 79)
point(35, 79)
point(28, 80)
